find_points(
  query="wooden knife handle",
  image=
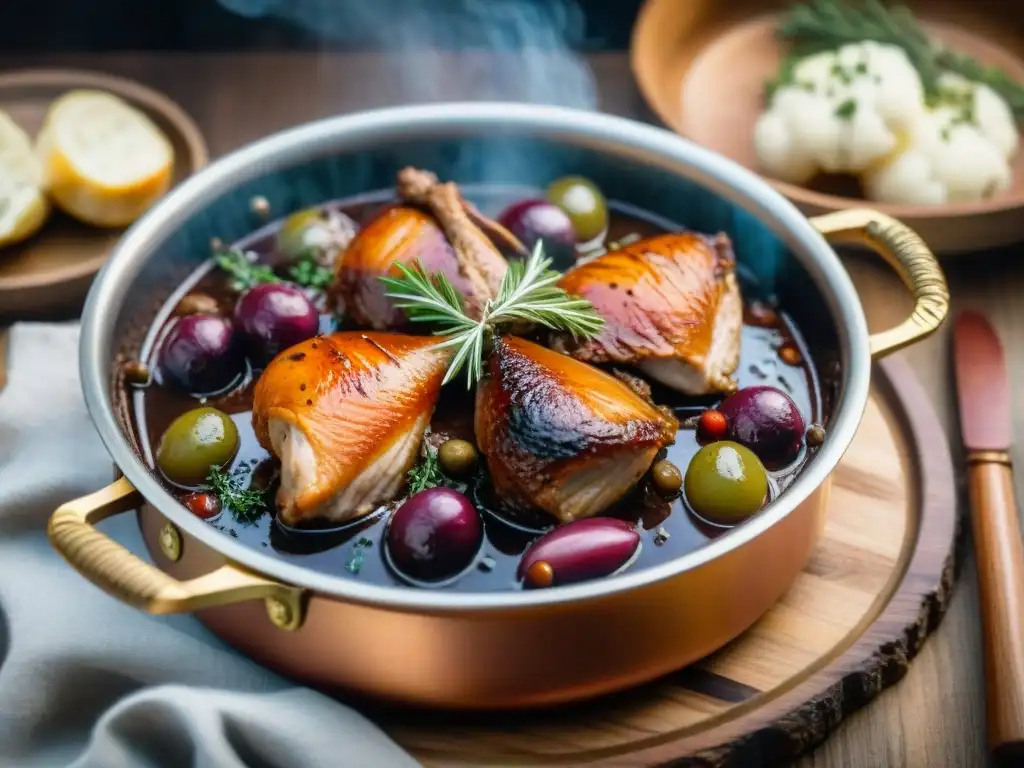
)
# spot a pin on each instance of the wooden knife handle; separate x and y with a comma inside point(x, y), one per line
point(1000, 556)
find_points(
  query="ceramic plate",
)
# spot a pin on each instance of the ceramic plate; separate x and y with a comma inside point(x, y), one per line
point(702, 65)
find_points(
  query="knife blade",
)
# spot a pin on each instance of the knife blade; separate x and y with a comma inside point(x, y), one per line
point(983, 394)
point(983, 389)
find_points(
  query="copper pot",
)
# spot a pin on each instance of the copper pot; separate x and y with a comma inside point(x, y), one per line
point(484, 650)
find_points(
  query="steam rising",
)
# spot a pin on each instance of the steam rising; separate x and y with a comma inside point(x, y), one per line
point(531, 37)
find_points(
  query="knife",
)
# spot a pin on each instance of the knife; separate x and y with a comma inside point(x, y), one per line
point(983, 392)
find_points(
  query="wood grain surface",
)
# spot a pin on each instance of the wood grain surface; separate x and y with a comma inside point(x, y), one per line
point(935, 715)
point(876, 585)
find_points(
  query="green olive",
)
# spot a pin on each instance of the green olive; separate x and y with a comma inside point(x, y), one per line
point(584, 203)
point(457, 457)
point(302, 231)
point(815, 435)
point(195, 442)
point(137, 373)
point(726, 483)
point(666, 477)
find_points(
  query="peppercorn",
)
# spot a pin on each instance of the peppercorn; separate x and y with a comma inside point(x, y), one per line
point(540, 574)
point(711, 426)
point(137, 373)
point(790, 355)
point(260, 206)
point(203, 505)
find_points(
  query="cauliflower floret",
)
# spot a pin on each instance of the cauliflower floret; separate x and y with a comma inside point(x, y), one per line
point(907, 178)
point(990, 112)
point(957, 152)
point(895, 85)
point(840, 111)
point(779, 150)
point(795, 153)
point(942, 164)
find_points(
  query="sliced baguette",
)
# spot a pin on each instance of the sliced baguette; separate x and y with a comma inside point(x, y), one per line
point(23, 204)
point(104, 161)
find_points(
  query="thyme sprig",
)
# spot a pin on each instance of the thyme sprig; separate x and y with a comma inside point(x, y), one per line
point(427, 473)
point(310, 273)
point(247, 504)
point(245, 271)
point(528, 292)
point(824, 25)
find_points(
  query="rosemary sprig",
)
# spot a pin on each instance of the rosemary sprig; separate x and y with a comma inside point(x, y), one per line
point(246, 503)
point(527, 292)
point(244, 272)
point(823, 25)
point(1009, 89)
point(428, 300)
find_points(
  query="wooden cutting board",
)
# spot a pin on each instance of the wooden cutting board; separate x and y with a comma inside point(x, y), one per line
point(849, 627)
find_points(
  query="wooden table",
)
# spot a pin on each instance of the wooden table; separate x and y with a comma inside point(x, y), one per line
point(935, 716)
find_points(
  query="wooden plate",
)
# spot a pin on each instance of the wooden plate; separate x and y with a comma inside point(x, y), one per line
point(701, 65)
point(51, 272)
point(877, 584)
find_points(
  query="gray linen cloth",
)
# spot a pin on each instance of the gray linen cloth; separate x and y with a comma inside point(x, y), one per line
point(89, 682)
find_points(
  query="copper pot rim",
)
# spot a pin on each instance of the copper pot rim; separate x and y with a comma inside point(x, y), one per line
point(643, 144)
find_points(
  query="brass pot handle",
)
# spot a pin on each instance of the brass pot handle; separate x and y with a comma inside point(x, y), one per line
point(117, 571)
point(905, 252)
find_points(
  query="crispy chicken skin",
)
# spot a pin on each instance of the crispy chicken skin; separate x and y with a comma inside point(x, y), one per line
point(400, 234)
point(671, 306)
point(345, 414)
point(434, 225)
point(560, 435)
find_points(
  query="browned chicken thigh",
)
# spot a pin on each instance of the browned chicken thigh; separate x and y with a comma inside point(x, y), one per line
point(345, 414)
point(671, 306)
point(560, 435)
point(434, 226)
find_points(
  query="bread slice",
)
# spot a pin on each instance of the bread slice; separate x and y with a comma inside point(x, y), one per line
point(104, 161)
point(23, 204)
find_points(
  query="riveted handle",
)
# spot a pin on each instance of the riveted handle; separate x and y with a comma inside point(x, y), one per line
point(913, 261)
point(118, 572)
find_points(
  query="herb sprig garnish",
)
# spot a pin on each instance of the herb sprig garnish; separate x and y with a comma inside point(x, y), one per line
point(358, 555)
point(527, 293)
point(824, 25)
point(247, 504)
point(245, 272)
point(310, 273)
point(427, 473)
